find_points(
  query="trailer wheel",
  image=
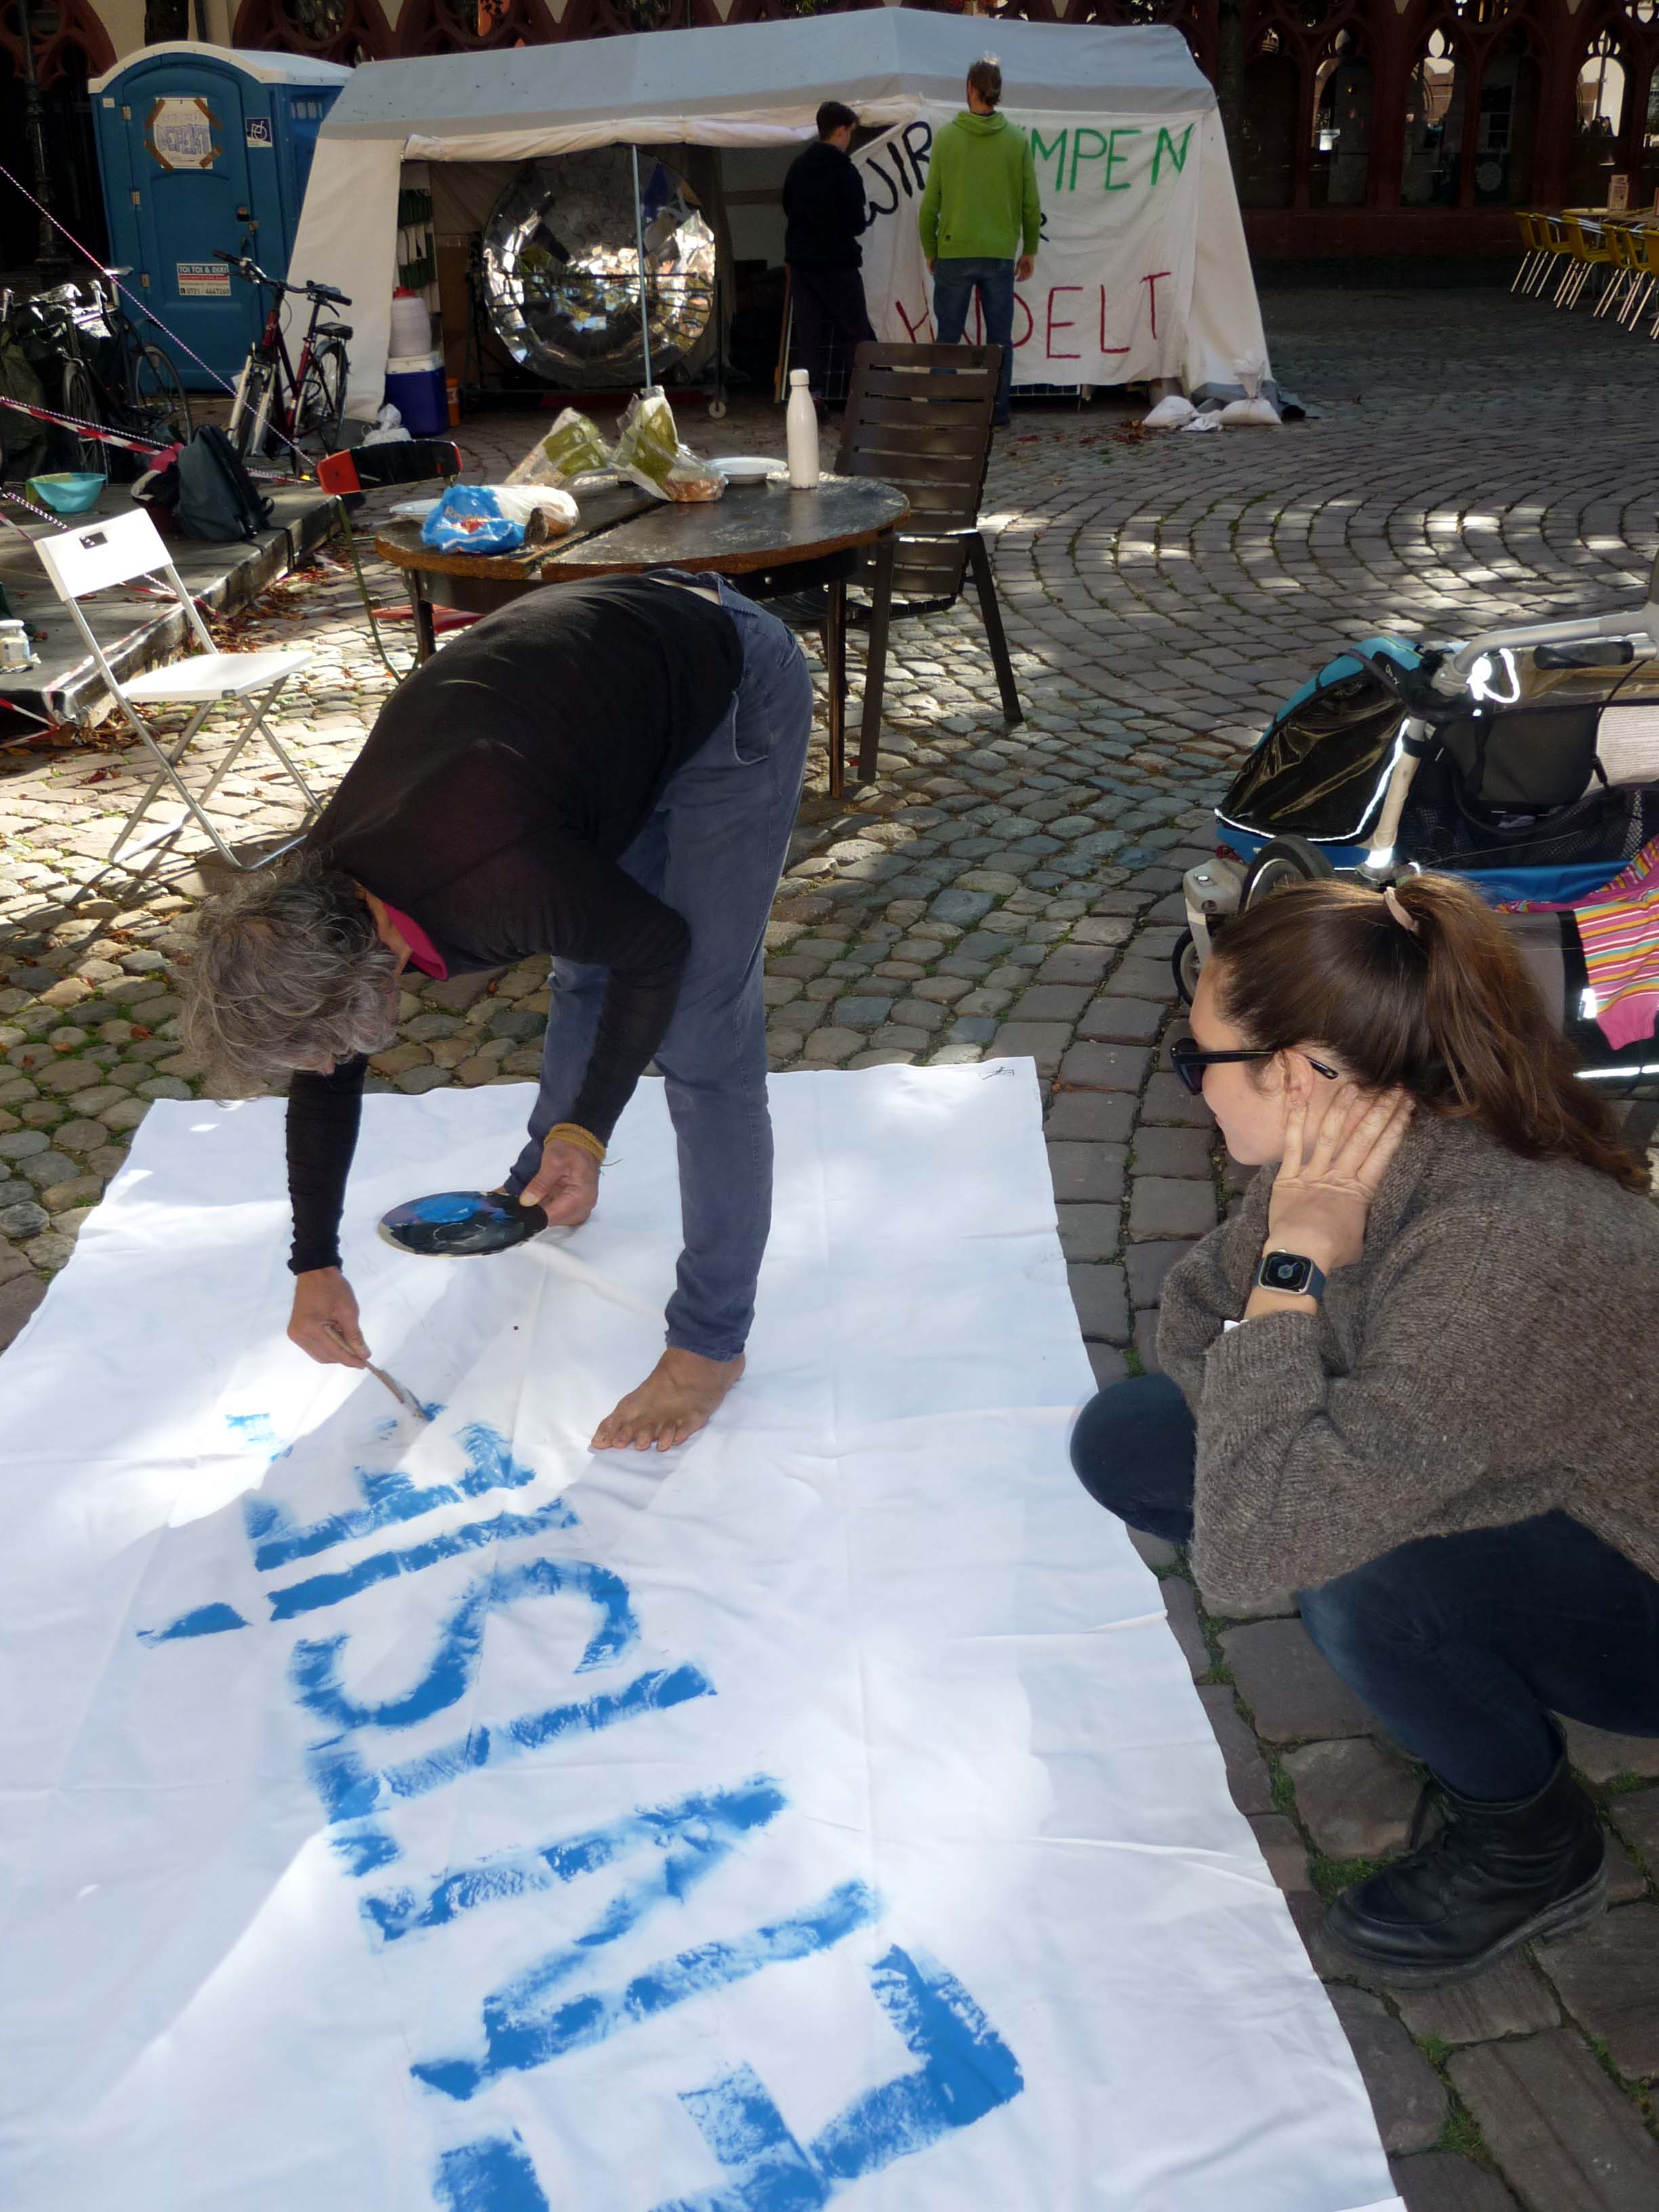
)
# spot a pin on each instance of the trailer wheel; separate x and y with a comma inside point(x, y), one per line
point(1283, 861)
point(1185, 966)
point(717, 410)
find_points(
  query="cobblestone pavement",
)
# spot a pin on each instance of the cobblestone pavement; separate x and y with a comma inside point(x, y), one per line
point(1470, 457)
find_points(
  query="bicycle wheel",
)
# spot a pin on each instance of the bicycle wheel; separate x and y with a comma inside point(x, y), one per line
point(159, 399)
point(250, 417)
point(77, 396)
point(321, 410)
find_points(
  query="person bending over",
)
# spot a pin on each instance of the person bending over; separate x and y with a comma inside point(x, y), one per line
point(1435, 1418)
point(604, 772)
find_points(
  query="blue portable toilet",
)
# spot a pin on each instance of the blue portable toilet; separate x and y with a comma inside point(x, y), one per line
point(201, 149)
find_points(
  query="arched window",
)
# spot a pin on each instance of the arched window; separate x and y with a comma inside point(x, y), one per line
point(349, 31)
point(70, 44)
point(1273, 90)
point(1507, 124)
point(470, 27)
point(1595, 152)
point(1342, 125)
point(1435, 100)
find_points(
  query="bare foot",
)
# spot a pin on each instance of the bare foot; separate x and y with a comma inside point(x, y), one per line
point(677, 1398)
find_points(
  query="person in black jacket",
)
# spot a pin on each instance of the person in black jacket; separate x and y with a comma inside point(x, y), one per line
point(823, 202)
point(604, 772)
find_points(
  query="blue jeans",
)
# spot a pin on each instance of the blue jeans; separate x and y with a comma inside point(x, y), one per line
point(712, 850)
point(955, 283)
point(1461, 1645)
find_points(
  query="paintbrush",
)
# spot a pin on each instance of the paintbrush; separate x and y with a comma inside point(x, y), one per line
point(406, 1399)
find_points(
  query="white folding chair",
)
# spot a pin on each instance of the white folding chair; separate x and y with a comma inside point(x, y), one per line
point(104, 553)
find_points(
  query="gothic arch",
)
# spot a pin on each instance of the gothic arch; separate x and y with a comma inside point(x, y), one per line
point(77, 46)
point(349, 31)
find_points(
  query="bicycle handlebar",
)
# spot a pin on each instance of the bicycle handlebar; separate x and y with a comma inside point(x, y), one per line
point(248, 268)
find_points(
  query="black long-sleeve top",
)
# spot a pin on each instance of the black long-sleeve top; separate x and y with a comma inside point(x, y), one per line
point(496, 794)
point(825, 209)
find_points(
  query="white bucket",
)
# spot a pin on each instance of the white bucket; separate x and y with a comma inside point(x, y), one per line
point(412, 324)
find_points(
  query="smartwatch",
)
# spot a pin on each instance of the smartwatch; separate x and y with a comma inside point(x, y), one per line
point(1290, 1273)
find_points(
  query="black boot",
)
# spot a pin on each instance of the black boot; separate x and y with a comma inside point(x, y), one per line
point(1494, 1877)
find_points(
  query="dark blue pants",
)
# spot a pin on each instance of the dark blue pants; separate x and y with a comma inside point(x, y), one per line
point(1461, 1645)
point(955, 283)
point(712, 850)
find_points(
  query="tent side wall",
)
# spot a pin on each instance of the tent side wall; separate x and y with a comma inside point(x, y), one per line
point(1225, 322)
point(348, 237)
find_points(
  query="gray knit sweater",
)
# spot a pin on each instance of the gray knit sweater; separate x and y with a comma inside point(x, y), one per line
point(1490, 1357)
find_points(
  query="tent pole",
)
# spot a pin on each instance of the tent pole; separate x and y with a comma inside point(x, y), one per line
point(639, 249)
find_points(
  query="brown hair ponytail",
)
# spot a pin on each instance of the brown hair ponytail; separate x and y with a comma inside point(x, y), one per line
point(1442, 1005)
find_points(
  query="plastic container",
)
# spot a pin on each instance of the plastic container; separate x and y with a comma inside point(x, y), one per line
point(801, 432)
point(67, 493)
point(412, 324)
point(415, 387)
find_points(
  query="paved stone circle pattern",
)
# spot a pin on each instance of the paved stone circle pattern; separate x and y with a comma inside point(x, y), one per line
point(1468, 458)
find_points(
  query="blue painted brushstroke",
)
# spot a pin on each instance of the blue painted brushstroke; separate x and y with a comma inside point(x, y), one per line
point(318, 1591)
point(966, 2071)
point(363, 1847)
point(387, 1499)
point(315, 1669)
point(351, 1789)
point(491, 2175)
point(537, 2038)
point(691, 1837)
point(253, 1429)
point(206, 1620)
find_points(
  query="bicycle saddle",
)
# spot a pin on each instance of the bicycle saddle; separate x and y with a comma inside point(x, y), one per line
point(118, 272)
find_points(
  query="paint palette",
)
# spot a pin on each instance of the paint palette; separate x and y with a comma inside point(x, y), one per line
point(460, 1224)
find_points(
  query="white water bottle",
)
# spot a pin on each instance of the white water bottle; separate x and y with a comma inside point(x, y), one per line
point(801, 424)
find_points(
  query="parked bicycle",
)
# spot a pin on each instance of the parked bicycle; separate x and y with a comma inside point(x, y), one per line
point(94, 365)
point(285, 403)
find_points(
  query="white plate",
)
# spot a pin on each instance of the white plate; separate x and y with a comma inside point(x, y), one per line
point(748, 468)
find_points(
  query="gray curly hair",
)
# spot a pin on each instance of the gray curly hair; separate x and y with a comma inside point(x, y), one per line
point(288, 971)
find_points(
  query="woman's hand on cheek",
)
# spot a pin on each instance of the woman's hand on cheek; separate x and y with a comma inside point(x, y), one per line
point(1332, 1166)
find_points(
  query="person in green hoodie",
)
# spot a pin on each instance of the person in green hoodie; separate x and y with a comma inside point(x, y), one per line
point(979, 210)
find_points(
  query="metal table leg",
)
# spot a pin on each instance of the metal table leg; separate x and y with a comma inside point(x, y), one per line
point(875, 670)
point(834, 660)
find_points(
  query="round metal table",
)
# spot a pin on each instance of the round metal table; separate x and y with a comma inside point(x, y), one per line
point(754, 528)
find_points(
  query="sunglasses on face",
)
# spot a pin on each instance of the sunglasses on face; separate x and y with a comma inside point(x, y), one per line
point(1189, 1063)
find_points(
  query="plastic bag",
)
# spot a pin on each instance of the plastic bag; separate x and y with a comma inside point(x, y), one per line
point(1201, 422)
point(1252, 410)
point(649, 451)
point(1249, 368)
point(1171, 414)
point(571, 448)
point(388, 428)
point(523, 503)
point(468, 519)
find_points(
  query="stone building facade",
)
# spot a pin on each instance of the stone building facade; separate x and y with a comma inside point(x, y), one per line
point(1370, 126)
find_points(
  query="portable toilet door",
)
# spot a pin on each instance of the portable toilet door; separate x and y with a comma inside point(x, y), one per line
point(195, 150)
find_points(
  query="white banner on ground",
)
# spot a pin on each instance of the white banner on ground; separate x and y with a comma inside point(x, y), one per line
point(1109, 298)
point(455, 1822)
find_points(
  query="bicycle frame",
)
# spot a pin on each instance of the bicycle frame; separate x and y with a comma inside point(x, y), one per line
point(284, 381)
point(1416, 739)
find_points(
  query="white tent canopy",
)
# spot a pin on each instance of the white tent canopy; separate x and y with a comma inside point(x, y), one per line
point(760, 84)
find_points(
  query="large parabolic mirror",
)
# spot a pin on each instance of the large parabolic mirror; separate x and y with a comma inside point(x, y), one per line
point(561, 276)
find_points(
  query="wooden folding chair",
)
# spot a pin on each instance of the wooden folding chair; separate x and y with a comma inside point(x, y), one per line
point(919, 416)
point(96, 558)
